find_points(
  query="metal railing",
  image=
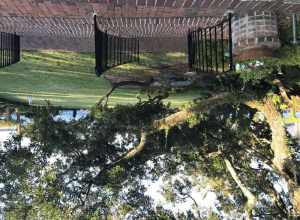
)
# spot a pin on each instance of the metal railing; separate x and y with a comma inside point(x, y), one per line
point(9, 49)
point(210, 48)
point(113, 50)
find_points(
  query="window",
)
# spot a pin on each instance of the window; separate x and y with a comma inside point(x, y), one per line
point(270, 39)
point(261, 39)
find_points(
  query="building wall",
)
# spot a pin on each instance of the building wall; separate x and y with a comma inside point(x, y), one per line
point(57, 43)
point(255, 35)
point(176, 44)
point(87, 44)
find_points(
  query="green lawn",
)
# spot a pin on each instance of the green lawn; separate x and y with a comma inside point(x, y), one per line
point(67, 79)
point(150, 64)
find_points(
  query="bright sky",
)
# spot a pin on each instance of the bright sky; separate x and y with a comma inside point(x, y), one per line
point(4, 135)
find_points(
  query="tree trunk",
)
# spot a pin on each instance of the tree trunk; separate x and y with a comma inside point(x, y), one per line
point(282, 161)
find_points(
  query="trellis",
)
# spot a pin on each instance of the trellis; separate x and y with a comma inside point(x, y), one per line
point(210, 48)
point(112, 50)
point(9, 49)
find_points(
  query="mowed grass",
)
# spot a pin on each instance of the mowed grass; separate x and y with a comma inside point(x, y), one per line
point(150, 64)
point(67, 79)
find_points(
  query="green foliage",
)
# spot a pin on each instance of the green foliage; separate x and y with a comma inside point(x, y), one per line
point(92, 177)
point(255, 73)
point(288, 55)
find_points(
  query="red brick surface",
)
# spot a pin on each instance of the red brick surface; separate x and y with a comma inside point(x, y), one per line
point(142, 8)
point(254, 53)
point(57, 43)
point(73, 18)
point(87, 44)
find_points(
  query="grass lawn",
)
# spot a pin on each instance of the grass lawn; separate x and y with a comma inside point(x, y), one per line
point(67, 79)
point(151, 64)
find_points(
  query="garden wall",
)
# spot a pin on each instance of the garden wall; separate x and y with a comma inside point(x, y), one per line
point(57, 43)
point(87, 45)
point(165, 44)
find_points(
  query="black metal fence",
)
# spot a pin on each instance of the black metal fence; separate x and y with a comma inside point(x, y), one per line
point(113, 50)
point(210, 48)
point(9, 49)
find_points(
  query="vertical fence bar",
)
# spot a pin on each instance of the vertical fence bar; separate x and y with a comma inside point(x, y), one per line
point(130, 49)
point(230, 41)
point(119, 48)
point(6, 49)
point(222, 40)
point(111, 50)
point(206, 47)
point(9, 49)
point(114, 50)
point(189, 50)
point(294, 18)
point(198, 51)
point(105, 50)
point(216, 49)
point(138, 50)
point(1, 50)
point(202, 50)
point(206, 55)
point(97, 48)
point(195, 50)
point(211, 50)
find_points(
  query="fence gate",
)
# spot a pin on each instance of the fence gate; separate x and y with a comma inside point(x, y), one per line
point(210, 48)
point(113, 50)
point(9, 49)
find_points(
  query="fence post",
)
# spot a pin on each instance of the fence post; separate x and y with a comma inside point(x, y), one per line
point(1, 51)
point(106, 49)
point(189, 39)
point(206, 54)
point(294, 29)
point(222, 40)
point(230, 41)
point(210, 51)
point(138, 50)
point(98, 49)
point(216, 49)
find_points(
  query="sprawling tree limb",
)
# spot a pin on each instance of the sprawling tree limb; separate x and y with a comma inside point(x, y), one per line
point(282, 155)
point(123, 159)
point(166, 123)
point(251, 198)
point(282, 91)
point(282, 161)
point(116, 86)
point(183, 115)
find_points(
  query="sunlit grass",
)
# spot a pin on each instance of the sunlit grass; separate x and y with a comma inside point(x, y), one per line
point(150, 63)
point(68, 79)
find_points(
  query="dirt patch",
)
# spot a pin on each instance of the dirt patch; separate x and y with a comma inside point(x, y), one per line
point(148, 75)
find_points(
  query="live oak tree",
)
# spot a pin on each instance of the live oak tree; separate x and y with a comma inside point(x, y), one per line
point(94, 168)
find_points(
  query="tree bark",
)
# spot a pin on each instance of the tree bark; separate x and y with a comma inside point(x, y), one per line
point(183, 115)
point(282, 161)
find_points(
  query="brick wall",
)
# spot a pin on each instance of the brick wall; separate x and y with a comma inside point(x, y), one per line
point(57, 43)
point(177, 44)
point(87, 44)
point(254, 53)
